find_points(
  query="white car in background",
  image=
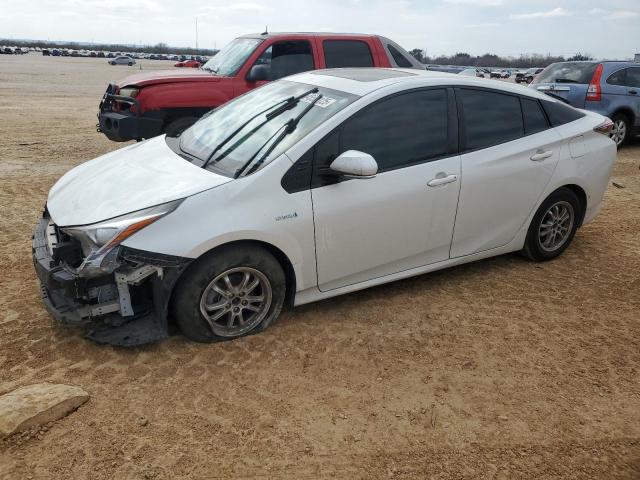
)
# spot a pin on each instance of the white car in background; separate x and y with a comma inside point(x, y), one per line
point(472, 72)
point(122, 60)
point(313, 186)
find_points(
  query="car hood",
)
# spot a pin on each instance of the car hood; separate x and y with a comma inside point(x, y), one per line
point(153, 77)
point(139, 176)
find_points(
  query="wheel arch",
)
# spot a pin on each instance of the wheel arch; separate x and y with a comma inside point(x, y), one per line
point(280, 256)
point(171, 114)
point(582, 197)
point(628, 112)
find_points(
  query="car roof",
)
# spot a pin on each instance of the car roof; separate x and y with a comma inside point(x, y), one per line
point(363, 81)
point(305, 34)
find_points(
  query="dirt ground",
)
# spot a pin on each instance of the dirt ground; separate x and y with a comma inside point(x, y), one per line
point(502, 369)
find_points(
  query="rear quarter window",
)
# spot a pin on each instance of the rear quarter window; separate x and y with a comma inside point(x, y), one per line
point(490, 118)
point(400, 59)
point(559, 113)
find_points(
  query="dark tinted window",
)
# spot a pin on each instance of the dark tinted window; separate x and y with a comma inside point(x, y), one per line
point(401, 130)
point(346, 53)
point(618, 78)
point(567, 72)
point(326, 152)
point(490, 118)
point(534, 119)
point(287, 58)
point(633, 77)
point(627, 77)
point(400, 59)
point(560, 113)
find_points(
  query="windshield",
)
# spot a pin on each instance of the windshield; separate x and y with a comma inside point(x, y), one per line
point(567, 72)
point(244, 129)
point(228, 61)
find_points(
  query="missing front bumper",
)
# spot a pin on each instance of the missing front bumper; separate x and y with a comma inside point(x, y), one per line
point(128, 307)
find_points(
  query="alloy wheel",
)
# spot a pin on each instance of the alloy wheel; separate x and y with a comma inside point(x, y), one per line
point(236, 301)
point(556, 226)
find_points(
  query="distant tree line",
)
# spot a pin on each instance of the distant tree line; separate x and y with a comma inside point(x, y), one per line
point(491, 60)
point(115, 47)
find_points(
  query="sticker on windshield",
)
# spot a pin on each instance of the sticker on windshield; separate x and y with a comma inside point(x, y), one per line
point(324, 102)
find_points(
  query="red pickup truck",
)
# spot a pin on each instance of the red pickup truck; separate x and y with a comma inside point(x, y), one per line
point(151, 103)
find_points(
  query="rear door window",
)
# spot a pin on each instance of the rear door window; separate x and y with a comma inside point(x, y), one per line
point(633, 77)
point(534, 118)
point(489, 118)
point(347, 53)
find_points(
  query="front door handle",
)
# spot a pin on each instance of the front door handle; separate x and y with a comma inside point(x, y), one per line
point(442, 180)
point(633, 92)
point(541, 155)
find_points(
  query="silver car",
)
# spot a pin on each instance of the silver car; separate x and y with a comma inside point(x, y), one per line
point(122, 60)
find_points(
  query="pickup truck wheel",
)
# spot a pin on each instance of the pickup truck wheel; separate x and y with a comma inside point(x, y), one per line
point(232, 292)
point(176, 127)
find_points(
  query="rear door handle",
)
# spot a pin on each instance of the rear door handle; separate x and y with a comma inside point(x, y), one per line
point(541, 155)
point(435, 182)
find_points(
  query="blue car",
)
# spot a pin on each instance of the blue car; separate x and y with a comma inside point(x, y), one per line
point(609, 88)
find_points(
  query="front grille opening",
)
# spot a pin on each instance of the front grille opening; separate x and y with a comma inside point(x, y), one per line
point(67, 250)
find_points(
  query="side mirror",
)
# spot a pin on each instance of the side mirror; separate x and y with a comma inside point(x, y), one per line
point(355, 164)
point(259, 73)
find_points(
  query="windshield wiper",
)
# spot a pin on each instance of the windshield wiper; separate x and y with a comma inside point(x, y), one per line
point(565, 80)
point(289, 127)
point(282, 106)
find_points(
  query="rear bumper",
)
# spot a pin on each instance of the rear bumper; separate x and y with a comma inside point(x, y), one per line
point(110, 308)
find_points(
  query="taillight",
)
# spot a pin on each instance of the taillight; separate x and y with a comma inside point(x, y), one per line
point(604, 128)
point(594, 91)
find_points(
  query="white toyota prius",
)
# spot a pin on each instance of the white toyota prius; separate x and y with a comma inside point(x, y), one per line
point(314, 186)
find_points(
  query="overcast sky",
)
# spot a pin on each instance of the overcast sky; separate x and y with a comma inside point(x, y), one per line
point(506, 27)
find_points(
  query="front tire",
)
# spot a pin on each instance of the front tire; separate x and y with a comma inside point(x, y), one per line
point(176, 127)
point(553, 226)
point(620, 131)
point(235, 291)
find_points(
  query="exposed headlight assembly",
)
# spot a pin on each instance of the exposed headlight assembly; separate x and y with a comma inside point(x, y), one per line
point(129, 92)
point(100, 241)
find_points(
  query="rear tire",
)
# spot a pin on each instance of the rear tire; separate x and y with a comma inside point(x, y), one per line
point(621, 126)
point(176, 127)
point(553, 226)
point(255, 293)
point(130, 63)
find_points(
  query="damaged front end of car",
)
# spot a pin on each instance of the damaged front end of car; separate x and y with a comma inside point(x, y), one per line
point(119, 295)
